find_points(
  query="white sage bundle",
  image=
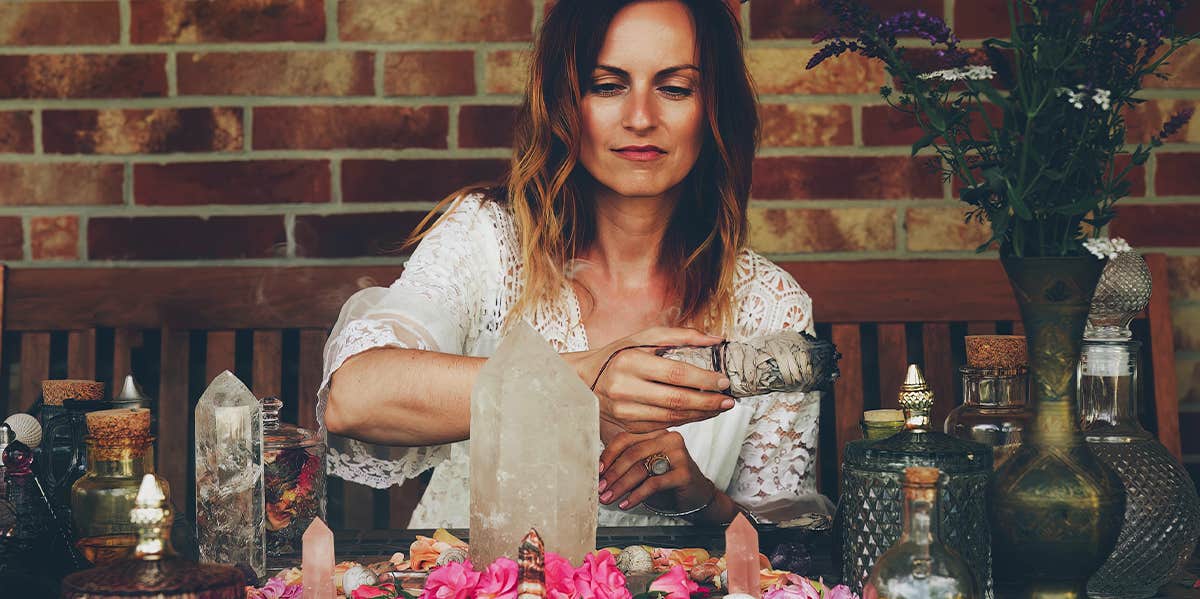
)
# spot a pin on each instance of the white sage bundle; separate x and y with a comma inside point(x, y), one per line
point(784, 361)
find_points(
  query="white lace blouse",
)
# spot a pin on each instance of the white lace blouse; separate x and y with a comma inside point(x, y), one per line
point(453, 296)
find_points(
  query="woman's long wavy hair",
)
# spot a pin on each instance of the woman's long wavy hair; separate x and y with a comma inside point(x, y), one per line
point(547, 188)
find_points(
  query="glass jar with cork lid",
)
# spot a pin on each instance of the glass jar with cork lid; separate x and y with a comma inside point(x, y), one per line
point(995, 384)
point(120, 452)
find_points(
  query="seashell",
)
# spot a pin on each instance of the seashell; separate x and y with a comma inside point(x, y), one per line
point(25, 428)
point(531, 561)
point(615, 551)
point(722, 581)
point(635, 560)
point(355, 577)
point(451, 554)
point(339, 570)
point(705, 571)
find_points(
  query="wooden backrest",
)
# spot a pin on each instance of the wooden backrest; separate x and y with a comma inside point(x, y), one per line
point(177, 328)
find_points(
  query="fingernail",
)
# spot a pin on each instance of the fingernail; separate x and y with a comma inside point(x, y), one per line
point(601, 467)
point(624, 505)
point(606, 497)
point(723, 383)
point(728, 403)
point(603, 484)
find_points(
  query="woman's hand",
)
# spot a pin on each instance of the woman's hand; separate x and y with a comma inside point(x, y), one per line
point(625, 477)
point(641, 392)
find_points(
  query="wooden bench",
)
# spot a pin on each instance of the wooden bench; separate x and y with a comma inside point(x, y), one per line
point(176, 328)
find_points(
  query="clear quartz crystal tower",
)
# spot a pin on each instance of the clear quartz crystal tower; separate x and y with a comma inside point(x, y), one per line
point(229, 475)
point(535, 449)
point(1162, 511)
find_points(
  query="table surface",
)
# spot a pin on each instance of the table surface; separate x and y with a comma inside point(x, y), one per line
point(378, 545)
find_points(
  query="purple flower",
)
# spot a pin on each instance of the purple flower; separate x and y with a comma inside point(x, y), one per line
point(1175, 123)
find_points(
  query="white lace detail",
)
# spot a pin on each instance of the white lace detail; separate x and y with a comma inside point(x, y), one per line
point(457, 289)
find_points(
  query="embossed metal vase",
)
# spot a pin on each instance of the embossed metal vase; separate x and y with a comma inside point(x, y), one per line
point(1056, 509)
point(869, 513)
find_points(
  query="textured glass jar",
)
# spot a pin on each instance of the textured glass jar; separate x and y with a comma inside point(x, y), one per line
point(102, 497)
point(1162, 511)
point(869, 512)
point(293, 480)
point(994, 410)
point(919, 565)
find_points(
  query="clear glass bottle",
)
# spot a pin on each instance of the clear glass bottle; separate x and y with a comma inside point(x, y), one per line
point(1162, 510)
point(919, 565)
point(102, 497)
point(294, 480)
point(994, 410)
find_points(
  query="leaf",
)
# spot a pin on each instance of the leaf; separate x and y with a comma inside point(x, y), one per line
point(924, 142)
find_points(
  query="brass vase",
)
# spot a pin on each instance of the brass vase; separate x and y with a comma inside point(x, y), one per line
point(1056, 509)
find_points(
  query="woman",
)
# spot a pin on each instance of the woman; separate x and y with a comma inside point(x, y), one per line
point(622, 223)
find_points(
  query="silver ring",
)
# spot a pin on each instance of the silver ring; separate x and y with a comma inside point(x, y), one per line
point(657, 464)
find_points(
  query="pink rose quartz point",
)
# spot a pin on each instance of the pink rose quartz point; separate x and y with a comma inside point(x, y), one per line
point(317, 561)
point(741, 557)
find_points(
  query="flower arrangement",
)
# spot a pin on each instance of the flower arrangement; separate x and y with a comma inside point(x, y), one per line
point(1029, 127)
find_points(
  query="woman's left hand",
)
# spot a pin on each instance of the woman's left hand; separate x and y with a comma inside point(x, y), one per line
point(623, 471)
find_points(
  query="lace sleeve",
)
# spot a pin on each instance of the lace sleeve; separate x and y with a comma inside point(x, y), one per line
point(774, 476)
point(432, 306)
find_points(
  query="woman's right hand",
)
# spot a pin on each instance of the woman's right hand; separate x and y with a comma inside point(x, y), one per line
point(642, 392)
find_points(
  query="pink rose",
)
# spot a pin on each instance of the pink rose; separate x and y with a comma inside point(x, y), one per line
point(383, 591)
point(254, 593)
point(840, 591)
point(273, 589)
point(499, 581)
point(599, 578)
point(292, 591)
point(676, 584)
point(793, 591)
point(560, 577)
point(455, 580)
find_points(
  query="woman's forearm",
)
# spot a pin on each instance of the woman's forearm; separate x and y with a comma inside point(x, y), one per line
point(406, 397)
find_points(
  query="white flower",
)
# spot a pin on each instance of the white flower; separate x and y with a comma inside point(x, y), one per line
point(1106, 248)
point(1103, 98)
point(973, 72)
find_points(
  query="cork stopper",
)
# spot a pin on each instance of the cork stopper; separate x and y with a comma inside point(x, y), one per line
point(54, 392)
point(119, 423)
point(885, 415)
point(996, 351)
point(921, 475)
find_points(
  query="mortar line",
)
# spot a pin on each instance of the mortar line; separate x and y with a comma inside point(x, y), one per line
point(38, 145)
point(331, 21)
point(126, 13)
point(172, 76)
point(27, 242)
point(380, 70)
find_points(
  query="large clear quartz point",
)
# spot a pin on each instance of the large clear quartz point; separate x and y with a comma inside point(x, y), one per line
point(535, 449)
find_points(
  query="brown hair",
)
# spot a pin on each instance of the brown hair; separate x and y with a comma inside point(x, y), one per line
point(546, 186)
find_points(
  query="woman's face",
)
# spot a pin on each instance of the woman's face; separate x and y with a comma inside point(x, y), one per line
point(642, 114)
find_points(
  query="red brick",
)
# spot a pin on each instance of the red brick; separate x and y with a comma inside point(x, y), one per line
point(887, 126)
point(812, 177)
point(1136, 176)
point(423, 21)
point(83, 76)
point(54, 237)
point(486, 126)
point(16, 131)
point(142, 131)
point(1188, 19)
point(244, 182)
point(797, 125)
point(975, 19)
point(60, 184)
point(804, 18)
point(1145, 120)
point(329, 127)
point(186, 238)
point(943, 229)
point(450, 73)
point(1183, 68)
point(1159, 225)
point(353, 235)
point(60, 23)
point(807, 230)
point(414, 180)
point(1177, 174)
point(782, 71)
point(301, 73)
point(190, 22)
point(12, 238)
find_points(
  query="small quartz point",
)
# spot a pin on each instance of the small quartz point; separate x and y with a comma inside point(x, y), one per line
point(741, 557)
point(535, 448)
point(316, 565)
point(229, 475)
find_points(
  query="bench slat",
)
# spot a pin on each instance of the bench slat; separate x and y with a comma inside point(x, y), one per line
point(35, 368)
point(81, 357)
point(175, 440)
point(268, 363)
point(849, 388)
point(893, 363)
point(312, 343)
point(219, 354)
point(124, 340)
point(939, 370)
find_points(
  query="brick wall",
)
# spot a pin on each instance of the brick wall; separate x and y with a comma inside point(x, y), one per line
point(311, 131)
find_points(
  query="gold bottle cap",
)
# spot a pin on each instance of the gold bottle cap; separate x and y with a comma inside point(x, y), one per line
point(916, 398)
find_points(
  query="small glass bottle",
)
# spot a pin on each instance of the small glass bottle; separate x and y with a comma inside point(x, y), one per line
point(294, 480)
point(994, 410)
point(919, 565)
point(120, 452)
